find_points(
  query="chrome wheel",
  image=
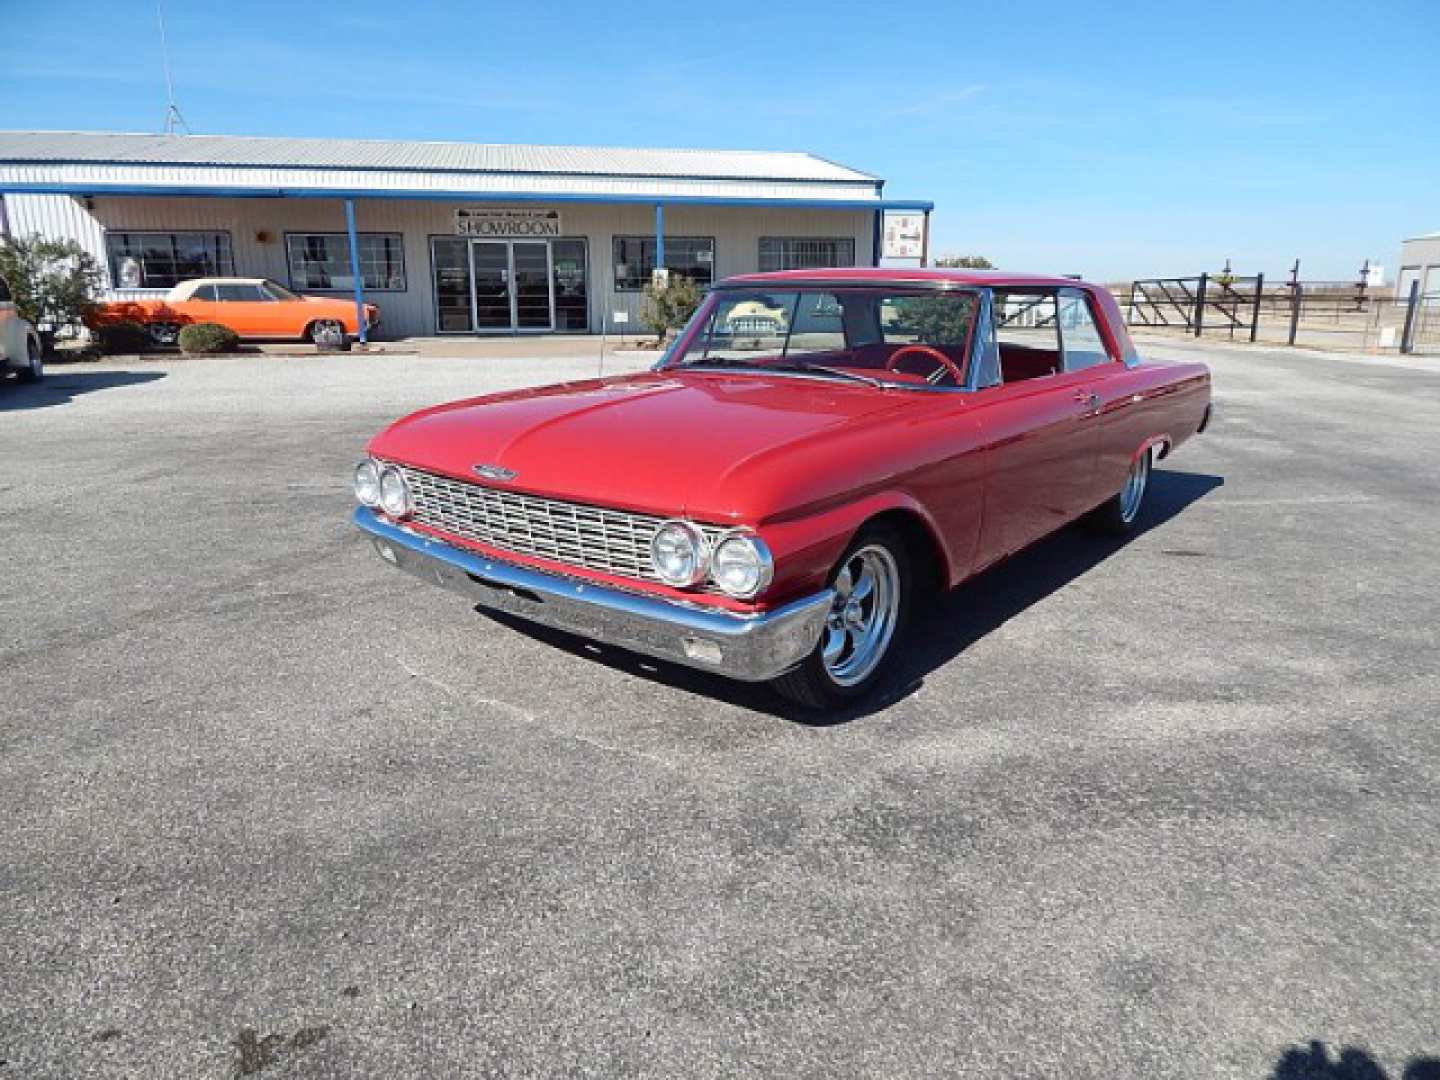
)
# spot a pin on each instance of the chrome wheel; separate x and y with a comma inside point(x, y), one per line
point(1133, 493)
point(327, 332)
point(863, 616)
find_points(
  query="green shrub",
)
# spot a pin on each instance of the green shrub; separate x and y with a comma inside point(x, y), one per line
point(208, 337)
point(668, 307)
point(122, 337)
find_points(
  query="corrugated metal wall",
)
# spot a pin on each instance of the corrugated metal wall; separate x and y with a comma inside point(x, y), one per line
point(736, 230)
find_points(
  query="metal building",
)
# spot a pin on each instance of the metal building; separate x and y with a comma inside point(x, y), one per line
point(447, 238)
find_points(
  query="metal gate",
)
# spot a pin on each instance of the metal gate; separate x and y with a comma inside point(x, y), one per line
point(1220, 302)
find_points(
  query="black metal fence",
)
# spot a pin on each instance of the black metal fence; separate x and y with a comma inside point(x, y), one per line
point(1314, 313)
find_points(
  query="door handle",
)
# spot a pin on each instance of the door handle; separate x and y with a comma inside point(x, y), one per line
point(1089, 399)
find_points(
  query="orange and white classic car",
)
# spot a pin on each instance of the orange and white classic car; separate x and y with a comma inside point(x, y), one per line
point(252, 307)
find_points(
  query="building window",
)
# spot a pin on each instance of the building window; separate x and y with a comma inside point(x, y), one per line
point(685, 256)
point(321, 261)
point(806, 252)
point(161, 260)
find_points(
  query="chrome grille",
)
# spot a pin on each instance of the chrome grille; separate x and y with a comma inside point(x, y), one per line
point(591, 537)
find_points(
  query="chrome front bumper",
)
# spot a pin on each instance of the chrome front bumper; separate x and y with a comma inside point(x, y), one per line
point(752, 648)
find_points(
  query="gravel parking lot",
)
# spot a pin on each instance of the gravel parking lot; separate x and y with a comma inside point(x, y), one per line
point(1158, 809)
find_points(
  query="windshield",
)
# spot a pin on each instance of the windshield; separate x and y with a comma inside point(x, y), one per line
point(899, 337)
point(279, 292)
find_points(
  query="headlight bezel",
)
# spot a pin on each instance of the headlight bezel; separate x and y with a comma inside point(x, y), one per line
point(700, 560)
point(355, 482)
point(764, 563)
point(391, 473)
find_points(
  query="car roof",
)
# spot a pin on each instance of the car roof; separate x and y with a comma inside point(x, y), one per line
point(186, 289)
point(880, 275)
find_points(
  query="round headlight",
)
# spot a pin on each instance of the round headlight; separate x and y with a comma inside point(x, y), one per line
point(742, 565)
point(367, 484)
point(394, 493)
point(680, 553)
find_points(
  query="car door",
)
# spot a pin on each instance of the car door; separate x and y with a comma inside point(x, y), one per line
point(1103, 377)
point(244, 308)
point(12, 331)
point(1039, 436)
point(201, 307)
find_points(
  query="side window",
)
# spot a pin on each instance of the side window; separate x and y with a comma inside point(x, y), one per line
point(1084, 347)
point(204, 292)
point(1027, 333)
point(241, 293)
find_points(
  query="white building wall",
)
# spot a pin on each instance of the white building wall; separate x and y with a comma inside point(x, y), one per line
point(736, 230)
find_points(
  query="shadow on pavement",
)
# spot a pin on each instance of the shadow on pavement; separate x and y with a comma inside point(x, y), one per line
point(938, 634)
point(1315, 1063)
point(62, 387)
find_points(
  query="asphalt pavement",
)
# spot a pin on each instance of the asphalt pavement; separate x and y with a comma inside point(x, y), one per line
point(1164, 808)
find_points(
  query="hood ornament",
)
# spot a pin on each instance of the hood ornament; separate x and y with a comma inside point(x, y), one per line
point(494, 472)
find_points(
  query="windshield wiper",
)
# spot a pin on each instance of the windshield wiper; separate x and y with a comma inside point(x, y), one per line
point(855, 376)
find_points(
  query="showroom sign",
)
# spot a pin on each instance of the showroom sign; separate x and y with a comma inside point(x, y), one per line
point(507, 224)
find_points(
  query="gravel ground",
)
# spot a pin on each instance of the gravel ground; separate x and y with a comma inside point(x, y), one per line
point(1159, 809)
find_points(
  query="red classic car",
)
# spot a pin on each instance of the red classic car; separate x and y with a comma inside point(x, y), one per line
point(817, 450)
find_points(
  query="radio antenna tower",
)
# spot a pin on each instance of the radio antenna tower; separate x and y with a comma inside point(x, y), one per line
point(173, 119)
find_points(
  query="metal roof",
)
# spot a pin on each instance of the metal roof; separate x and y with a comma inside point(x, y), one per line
point(99, 147)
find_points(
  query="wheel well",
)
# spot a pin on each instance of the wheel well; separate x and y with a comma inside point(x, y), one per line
point(927, 559)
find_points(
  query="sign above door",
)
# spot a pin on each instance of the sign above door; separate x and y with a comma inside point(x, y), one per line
point(500, 224)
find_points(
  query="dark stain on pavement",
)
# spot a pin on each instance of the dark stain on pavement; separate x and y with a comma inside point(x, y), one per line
point(253, 1053)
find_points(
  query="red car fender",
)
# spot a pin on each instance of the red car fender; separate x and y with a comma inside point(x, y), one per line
point(806, 549)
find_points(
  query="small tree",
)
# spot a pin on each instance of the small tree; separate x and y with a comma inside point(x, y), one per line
point(668, 307)
point(964, 262)
point(55, 283)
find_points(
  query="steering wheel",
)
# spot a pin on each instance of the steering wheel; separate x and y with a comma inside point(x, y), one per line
point(946, 364)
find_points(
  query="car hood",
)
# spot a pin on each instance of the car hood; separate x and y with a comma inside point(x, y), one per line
point(712, 446)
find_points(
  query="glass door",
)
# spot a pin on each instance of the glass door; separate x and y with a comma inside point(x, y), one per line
point(508, 285)
point(532, 297)
point(491, 273)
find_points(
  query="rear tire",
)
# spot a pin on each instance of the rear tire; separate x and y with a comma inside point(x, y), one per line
point(873, 585)
point(36, 367)
point(1118, 514)
point(329, 334)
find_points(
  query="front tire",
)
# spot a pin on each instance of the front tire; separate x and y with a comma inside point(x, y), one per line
point(328, 334)
point(36, 367)
point(873, 594)
point(1118, 514)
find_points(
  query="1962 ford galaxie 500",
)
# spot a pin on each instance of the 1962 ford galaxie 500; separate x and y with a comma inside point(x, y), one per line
point(817, 450)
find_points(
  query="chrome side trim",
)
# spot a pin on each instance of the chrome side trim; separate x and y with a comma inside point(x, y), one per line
point(749, 647)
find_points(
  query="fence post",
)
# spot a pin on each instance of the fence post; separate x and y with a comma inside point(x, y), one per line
point(1130, 320)
point(1255, 314)
point(1407, 336)
point(1297, 298)
point(1200, 304)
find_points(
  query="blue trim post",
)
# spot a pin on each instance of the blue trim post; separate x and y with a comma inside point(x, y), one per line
point(877, 238)
point(659, 234)
point(355, 270)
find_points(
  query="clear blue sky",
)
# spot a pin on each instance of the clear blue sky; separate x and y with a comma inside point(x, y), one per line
point(1109, 139)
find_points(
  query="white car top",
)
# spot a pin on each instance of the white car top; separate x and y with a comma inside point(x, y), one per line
point(186, 289)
